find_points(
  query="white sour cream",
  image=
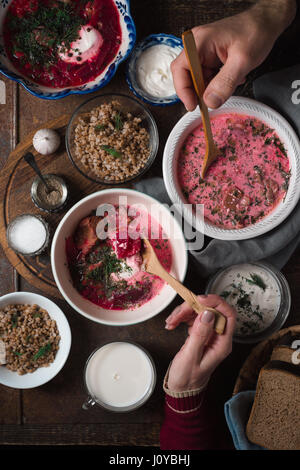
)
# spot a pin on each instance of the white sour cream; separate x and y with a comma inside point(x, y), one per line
point(119, 374)
point(153, 69)
point(84, 48)
point(255, 294)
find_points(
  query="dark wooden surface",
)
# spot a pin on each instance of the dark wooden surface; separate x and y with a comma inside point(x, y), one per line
point(52, 414)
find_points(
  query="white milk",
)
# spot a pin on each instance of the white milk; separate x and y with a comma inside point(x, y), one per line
point(119, 374)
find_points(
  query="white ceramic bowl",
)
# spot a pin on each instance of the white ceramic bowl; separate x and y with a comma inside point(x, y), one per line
point(42, 374)
point(247, 107)
point(61, 272)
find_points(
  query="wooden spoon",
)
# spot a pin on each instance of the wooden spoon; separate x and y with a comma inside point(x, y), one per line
point(153, 266)
point(211, 151)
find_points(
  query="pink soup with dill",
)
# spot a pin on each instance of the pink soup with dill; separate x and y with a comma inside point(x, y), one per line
point(109, 272)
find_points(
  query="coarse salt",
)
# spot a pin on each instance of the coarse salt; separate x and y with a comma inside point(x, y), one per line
point(27, 234)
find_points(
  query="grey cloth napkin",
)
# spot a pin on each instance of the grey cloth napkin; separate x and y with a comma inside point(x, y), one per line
point(276, 246)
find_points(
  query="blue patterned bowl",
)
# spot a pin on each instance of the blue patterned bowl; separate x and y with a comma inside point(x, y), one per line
point(128, 41)
point(152, 40)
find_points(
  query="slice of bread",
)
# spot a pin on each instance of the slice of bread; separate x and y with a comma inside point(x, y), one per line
point(274, 422)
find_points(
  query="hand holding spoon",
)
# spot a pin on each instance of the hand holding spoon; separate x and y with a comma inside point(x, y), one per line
point(153, 266)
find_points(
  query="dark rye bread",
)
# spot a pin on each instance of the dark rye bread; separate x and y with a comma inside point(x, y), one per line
point(274, 421)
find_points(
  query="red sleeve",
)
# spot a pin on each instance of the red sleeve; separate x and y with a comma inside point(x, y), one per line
point(190, 430)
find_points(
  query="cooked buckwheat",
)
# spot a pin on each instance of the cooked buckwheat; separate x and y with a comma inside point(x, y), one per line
point(111, 144)
point(31, 337)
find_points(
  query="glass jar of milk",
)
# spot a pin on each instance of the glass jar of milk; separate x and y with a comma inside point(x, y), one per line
point(119, 376)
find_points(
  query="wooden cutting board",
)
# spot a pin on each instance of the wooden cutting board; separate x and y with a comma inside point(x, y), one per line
point(15, 185)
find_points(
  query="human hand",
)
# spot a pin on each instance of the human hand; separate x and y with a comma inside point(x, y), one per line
point(237, 44)
point(203, 349)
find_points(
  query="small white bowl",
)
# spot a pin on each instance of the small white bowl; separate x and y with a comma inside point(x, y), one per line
point(60, 267)
point(149, 41)
point(42, 374)
point(244, 106)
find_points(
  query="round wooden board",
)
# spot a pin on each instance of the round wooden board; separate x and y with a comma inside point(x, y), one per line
point(15, 185)
point(258, 357)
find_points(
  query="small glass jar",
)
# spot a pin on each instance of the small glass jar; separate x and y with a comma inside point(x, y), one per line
point(284, 304)
point(42, 199)
point(13, 238)
point(112, 378)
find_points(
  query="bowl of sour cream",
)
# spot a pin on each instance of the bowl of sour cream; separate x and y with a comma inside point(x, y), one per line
point(148, 72)
point(259, 293)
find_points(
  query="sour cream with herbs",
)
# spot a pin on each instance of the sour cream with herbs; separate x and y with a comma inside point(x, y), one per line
point(255, 294)
point(153, 70)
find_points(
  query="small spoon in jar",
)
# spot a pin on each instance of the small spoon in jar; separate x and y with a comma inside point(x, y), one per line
point(29, 158)
point(211, 151)
point(153, 266)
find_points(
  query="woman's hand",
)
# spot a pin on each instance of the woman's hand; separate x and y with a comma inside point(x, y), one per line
point(237, 44)
point(203, 349)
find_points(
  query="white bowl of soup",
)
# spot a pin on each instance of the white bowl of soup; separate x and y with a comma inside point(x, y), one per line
point(251, 187)
point(96, 256)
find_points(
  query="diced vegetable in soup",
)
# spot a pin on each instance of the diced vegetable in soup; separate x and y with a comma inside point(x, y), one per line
point(60, 43)
point(246, 182)
point(108, 270)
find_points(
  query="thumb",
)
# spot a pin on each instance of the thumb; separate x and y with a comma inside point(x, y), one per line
point(223, 85)
point(200, 334)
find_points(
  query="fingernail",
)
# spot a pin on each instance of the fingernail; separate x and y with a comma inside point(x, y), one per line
point(213, 100)
point(175, 311)
point(203, 296)
point(207, 316)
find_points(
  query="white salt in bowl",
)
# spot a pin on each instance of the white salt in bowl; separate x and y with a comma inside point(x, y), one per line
point(62, 275)
point(42, 374)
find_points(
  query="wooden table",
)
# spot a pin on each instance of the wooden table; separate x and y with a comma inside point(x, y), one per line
point(52, 414)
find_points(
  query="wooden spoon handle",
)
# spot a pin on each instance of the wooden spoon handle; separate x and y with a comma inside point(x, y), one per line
point(191, 298)
point(197, 77)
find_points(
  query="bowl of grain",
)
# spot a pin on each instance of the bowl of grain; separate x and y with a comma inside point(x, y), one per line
point(112, 139)
point(35, 340)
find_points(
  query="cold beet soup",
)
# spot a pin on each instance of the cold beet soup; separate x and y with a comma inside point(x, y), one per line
point(61, 43)
point(246, 182)
point(108, 270)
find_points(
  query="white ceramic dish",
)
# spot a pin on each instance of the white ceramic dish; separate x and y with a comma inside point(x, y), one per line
point(43, 374)
point(61, 272)
point(247, 107)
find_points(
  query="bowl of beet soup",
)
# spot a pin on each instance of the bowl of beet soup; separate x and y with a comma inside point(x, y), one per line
point(55, 48)
point(251, 187)
point(102, 277)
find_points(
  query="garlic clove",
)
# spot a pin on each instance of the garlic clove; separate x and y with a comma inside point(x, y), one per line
point(46, 141)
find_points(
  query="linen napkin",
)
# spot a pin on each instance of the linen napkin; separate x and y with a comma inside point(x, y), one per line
point(237, 411)
point(279, 90)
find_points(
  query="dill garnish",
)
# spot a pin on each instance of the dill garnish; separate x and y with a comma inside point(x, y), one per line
point(41, 34)
point(257, 281)
point(111, 151)
point(42, 351)
point(110, 264)
point(118, 122)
